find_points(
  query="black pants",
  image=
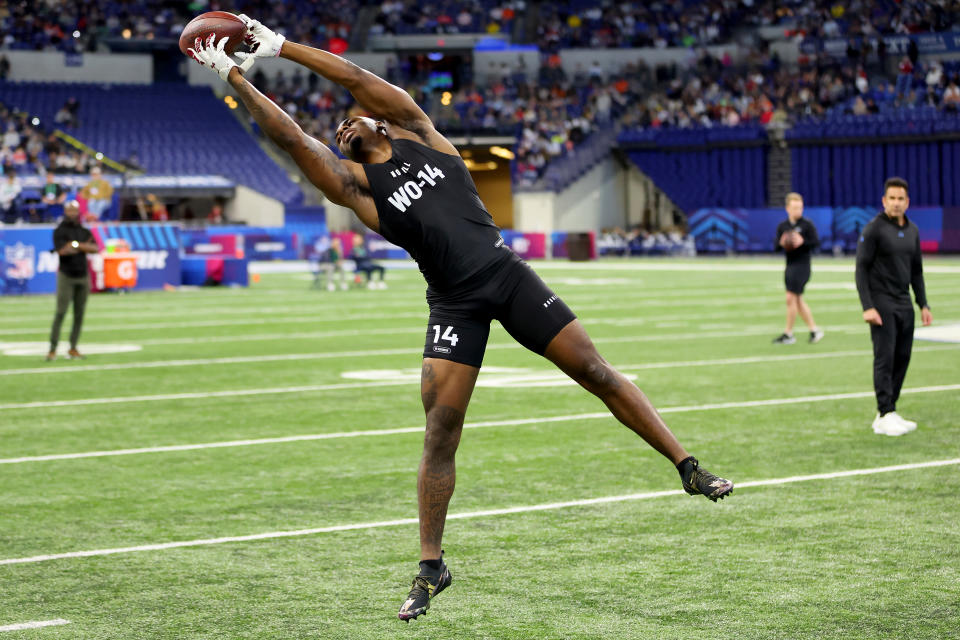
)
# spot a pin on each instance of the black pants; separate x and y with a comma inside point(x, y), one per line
point(892, 344)
point(75, 290)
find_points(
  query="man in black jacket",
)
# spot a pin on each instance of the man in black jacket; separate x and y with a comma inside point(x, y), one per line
point(72, 241)
point(888, 263)
point(798, 238)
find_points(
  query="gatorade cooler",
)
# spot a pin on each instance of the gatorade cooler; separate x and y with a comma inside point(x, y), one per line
point(119, 265)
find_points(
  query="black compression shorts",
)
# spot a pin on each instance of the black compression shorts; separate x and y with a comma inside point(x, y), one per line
point(796, 277)
point(510, 292)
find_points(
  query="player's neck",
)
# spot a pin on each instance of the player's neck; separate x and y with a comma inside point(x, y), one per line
point(793, 220)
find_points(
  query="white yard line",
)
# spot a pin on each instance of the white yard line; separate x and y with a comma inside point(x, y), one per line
point(470, 425)
point(552, 506)
point(323, 387)
point(625, 303)
point(293, 357)
point(713, 265)
point(23, 626)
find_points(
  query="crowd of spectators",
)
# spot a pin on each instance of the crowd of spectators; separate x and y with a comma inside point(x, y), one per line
point(78, 25)
point(25, 147)
point(81, 25)
point(715, 92)
point(609, 24)
point(447, 16)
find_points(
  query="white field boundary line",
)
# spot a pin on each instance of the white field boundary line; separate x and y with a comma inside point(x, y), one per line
point(707, 264)
point(552, 506)
point(230, 393)
point(412, 302)
point(469, 425)
point(293, 357)
point(378, 352)
point(627, 303)
point(259, 337)
point(23, 626)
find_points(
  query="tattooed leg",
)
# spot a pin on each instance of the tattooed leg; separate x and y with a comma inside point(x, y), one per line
point(573, 351)
point(445, 388)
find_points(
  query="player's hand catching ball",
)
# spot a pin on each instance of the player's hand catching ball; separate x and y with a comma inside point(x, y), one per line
point(213, 56)
point(263, 42)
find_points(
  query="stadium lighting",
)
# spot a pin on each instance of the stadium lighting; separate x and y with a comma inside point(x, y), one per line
point(501, 152)
point(473, 165)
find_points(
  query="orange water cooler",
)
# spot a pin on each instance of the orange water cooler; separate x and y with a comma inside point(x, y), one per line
point(119, 265)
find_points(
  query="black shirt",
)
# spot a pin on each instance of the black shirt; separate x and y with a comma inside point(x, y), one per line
point(888, 262)
point(800, 255)
point(428, 204)
point(74, 265)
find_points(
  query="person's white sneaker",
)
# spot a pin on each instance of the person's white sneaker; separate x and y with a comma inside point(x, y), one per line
point(888, 426)
point(909, 425)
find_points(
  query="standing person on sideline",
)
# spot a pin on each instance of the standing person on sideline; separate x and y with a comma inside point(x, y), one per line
point(888, 263)
point(72, 241)
point(798, 238)
point(407, 182)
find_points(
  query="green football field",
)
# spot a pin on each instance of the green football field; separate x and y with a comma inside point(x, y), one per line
point(241, 463)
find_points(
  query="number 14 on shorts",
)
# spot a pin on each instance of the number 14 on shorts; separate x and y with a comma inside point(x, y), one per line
point(448, 335)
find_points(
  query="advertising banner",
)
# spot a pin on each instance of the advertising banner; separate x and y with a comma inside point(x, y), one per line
point(526, 245)
point(29, 264)
point(270, 244)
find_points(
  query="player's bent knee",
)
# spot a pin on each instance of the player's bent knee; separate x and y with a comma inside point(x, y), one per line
point(598, 376)
point(444, 425)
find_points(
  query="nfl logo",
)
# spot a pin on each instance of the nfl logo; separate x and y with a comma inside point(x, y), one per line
point(20, 259)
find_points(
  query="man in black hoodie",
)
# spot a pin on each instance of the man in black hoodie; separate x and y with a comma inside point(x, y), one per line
point(888, 263)
point(72, 241)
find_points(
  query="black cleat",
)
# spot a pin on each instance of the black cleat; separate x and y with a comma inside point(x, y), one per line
point(700, 481)
point(425, 587)
point(784, 338)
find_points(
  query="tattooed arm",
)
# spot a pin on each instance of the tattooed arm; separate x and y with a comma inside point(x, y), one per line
point(342, 181)
point(373, 93)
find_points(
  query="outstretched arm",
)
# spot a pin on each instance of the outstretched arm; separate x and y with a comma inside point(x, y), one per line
point(342, 181)
point(374, 94)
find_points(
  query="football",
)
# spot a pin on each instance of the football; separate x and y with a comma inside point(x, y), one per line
point(790, 240)
point(218, 22)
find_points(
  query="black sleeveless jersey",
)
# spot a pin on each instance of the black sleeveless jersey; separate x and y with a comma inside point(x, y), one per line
point(428, 204)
